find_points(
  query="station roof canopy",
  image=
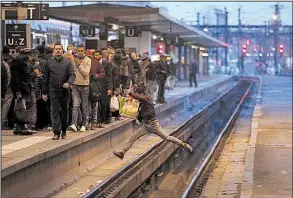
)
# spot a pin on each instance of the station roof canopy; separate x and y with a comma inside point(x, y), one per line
point(152, 19)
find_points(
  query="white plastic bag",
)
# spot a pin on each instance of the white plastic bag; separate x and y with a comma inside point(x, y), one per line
point(114, 105)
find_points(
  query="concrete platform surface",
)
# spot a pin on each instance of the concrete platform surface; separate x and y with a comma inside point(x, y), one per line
point(272, 174)
point(257, 158)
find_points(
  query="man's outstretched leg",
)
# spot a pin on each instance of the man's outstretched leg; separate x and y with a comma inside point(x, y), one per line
point(154, 127)
point(140, 132)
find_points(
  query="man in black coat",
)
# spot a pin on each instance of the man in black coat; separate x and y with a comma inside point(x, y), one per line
point(43, 114)
point(162, 73)
point(192, 73)
point(59, 74)
point(5, 80)
point(23, 76)
point(106, 96)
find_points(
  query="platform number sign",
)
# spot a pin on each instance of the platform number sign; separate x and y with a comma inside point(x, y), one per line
point(87, 31)
point(16, 35)
point(133, 32)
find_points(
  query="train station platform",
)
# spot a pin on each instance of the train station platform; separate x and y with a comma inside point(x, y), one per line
point(39, 160)
point(268, 166)
point(256, 160)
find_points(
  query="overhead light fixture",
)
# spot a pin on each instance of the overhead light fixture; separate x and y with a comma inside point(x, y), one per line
point(155, 37)
point(115, 27)
point(162, 39)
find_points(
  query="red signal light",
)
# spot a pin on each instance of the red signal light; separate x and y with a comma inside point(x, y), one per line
point(281, 50)
point(160, 48)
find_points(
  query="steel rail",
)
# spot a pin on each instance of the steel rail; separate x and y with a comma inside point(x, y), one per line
point(111, 179)
point(196, 176)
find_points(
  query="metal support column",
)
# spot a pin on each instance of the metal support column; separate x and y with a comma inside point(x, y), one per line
point(226, 40)
point(185, 63)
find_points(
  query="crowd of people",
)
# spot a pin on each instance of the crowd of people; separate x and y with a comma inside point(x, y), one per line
point(48, 87)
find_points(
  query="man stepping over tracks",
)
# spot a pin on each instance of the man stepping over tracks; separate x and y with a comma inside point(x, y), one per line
point(151, 124)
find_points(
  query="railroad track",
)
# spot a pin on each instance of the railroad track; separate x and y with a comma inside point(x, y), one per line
point(128, 180)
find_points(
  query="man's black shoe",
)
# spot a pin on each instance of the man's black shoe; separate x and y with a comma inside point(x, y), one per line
point(5, 127)
point(15, 131)
point(120, 155)
point(108, 122)
point(100, 126)
point(63, 135)
point(56, 137)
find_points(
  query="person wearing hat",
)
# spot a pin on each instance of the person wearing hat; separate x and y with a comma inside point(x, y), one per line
point(24, 73)
point(59, 75)
point(151, 124)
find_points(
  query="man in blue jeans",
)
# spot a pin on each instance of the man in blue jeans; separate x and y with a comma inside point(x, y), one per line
point(80, 88)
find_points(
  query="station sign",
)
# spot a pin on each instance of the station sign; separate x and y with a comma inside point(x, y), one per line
point(25, 11)
point(133, 32)
point(16, 35)
point(87, 31)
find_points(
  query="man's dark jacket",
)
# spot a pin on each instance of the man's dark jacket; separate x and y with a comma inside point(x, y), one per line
point(4, 78)
point(22, 76)
point(56, 73)
point(162, 71)
point(6, 57)
point(108, 73)
point(146, 107)
point(116, 74)
point(193, 68)
point(98, 82)
point(151, 72)
point(172, 69)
